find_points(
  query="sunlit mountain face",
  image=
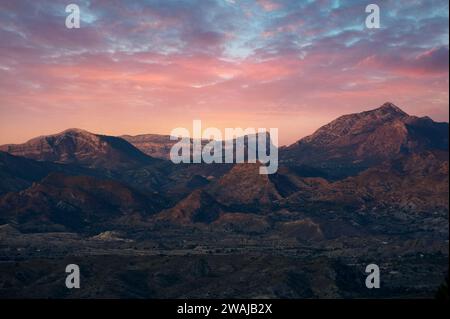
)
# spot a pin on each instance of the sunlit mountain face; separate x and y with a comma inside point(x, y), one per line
point(149, 66)
point(356, 119)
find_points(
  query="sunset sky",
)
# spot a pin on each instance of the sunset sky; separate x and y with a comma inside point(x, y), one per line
point(150, 66)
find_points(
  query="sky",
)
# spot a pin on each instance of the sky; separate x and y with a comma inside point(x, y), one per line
point(137, 67)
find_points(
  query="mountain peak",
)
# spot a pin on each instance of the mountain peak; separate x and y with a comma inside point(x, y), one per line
point(355, 141)
point(76, 131)
point(391, 108)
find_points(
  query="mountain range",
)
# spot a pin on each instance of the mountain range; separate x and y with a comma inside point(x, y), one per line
point(374, 158)
point(361, 180)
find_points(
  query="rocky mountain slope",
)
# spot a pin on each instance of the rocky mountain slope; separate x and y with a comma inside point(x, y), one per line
point(18, 173)
point(75, 146)
point(76, 203)
point(154, 145)
point(355, 142)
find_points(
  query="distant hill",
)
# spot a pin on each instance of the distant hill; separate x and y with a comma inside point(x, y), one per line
point(152, 144)
point(75, 203)
point(75, 146)
point(17, 173)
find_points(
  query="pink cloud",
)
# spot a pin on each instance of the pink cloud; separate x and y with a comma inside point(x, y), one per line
point(269, 5)
point(432, 61)
point(148, 69)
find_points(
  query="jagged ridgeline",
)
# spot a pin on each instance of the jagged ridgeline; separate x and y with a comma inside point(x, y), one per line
point(367, 186)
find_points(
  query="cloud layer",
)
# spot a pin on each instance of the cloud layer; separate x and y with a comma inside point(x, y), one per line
point(151, 66)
